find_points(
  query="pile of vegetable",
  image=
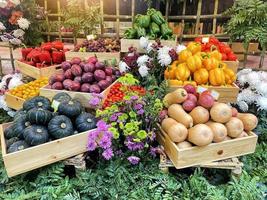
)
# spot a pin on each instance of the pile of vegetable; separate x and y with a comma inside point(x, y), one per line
point(38, 122)
point(196, 119)
point(213, 43)
point(48, 54)
point(199, 68)
point(152, 25)
point(99, 45)
point(29, 90)
point(91, 76)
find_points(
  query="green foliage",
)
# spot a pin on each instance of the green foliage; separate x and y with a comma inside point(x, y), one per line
point(261, 129)
point(4, 117)
point(248, 21)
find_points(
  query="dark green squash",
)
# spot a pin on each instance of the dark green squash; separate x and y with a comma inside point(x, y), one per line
point(11, 141)
point(19, 113)
point(85, 121)
point(17, 146)
point(35, 135)
point(19, 125)
point(62, 96)
point(75, 132)
point(70, 108)
point(9, 132)
point(60, 126)
point(39, 116)
point(37, 102)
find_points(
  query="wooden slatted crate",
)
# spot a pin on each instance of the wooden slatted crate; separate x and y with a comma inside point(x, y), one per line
point(233, 65)
point(228, 94)
point(102, 56)
point(13, 102)
point(41, 155)
point(192, 156)
point(35, 72)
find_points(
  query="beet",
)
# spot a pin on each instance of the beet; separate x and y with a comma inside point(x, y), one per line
point(59, 77)
point(78, 79)
point(67, 84)
point(52, 79)
point(190, 89)
point(82, 64)
point(92, 59)
point(189, 105)
point(108, 71)
point(85, 87)
point(191, 97)
point(89, 67)
point(103, 84)
point(205, 100)
point(117, 73)
point(95, 88)
point(99, 75)
point(65, 65)
point(113, 78)
point(76, 61)
point(99, 65)
point(76, 70)
point(68, 74)
point(75, 86)
point(88, 77)
point(109, 79)
point(57, 86)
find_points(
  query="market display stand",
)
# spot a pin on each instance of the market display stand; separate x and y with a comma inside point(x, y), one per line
point(14, 102)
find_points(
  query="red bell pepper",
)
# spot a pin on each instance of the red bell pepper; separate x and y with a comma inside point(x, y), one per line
point(58, 57)
point(58, 45)
point(231, 56)
point(47, 46)
point(25, 52)
point(45, 57)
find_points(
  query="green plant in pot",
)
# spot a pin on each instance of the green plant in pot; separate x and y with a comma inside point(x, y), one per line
point(82, 18)
point(248, 23)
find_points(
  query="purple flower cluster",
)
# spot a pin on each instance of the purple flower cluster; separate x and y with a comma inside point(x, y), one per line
point(95, 100)
point(133, 146)
point(134, 160)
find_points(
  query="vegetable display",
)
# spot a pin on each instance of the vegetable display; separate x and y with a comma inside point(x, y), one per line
point(152, 25)
point(91, 76)
point(48, 54)
point(199, 120)
point(37, 124)
point(199, 68)
point(99, 45)
point(29, 90)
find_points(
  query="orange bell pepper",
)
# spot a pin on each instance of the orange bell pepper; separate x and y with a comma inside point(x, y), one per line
point(194, 63)
point(169, 73)
point(190, 83)
point(216, 77)
point(210, 63)
point(175, 82)
point(184, 55)
point(194, 47)
point(182, 72)
point(230, 76)
point(216, 54)
point(174, 64)
point(201, 76)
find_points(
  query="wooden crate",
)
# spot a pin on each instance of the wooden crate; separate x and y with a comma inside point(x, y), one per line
point(126, 43)
point(35, 72)
point(13, 101)
point(228, 94)
point(232, 65)
point(42, 155)
point(238, 47)
point(102, 56)
point(83, 97)
point(182, 158)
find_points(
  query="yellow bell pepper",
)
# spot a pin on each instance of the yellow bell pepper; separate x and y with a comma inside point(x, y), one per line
point(184, 55)
point(201, 76)
point(230, 76)
point(194, 63)
point(190, 83)
point(216, 77)
point(174, 64)
point(182, 72)
point(210, 63)
point(175, 82)
point(194, 47)
point(223, 65)
point(201, 54)
point(169, 73)
point(216, 54)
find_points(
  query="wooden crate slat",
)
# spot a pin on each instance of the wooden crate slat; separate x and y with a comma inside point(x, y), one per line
point(13, 102)
point(102, 56)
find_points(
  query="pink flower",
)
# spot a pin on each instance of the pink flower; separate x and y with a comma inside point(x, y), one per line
point(108, 154)
point(134, 160)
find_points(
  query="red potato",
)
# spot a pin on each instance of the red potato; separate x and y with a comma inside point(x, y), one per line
point(57, 86)
point(189, 105)
point(205, 100)
point(192, 97)
point(190, 89)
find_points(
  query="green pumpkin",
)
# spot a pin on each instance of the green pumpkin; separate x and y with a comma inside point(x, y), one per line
point(70, 108)
point(9, 132)
point(19, 125)
point(35, 135)
point(17, 146)
point(19, 113)
point(60, 126)
point(85, 121)
point(39, 116)
point(37, 102)
point(11, 141)
point(62, 96)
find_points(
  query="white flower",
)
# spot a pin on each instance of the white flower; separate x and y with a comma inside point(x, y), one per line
point(23, 23)
point(180, 48)
point(18, 33)
point(164, 50)
point(123, 67)
point(15, 41)
point(244, 71)
point(143, 70)
point(3, 104)
point(165, 60)
point(143, 42)
point(262, 103)
point(141, 60)
point(247, 95)
point(15, 81)
point(243, 106)
point(149, 47)
point(16, 2)
point(130, 54)
point(2, 27)
point(263, 75)
point(3, 3)
point(262, 88)
point(253, 79)
point(242, 79)
point(4, 39)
